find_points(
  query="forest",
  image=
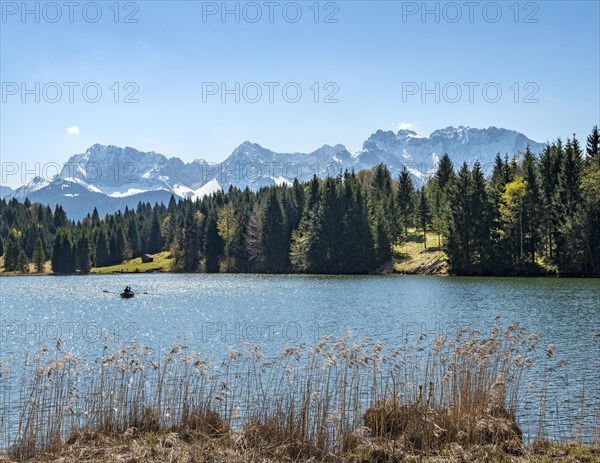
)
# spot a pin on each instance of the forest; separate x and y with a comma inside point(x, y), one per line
point(535, 214)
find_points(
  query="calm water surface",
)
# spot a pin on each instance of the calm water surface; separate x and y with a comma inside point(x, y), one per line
point(211, 312)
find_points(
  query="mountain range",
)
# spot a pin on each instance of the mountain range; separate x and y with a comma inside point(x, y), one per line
point(110, 178)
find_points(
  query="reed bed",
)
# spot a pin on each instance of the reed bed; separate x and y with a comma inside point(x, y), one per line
point(322, 401)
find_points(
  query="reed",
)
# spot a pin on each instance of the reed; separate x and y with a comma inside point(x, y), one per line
point(323, 401)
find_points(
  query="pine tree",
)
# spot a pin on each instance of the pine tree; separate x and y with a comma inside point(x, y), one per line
point(31, 237)
point(531, 205)
point(481, 221)
point(424, 214)
point(593, 145)
point(83, 253)
point(133, 238)
point(60, 217)
point(440, 186)
point(405, 199)
point(39, 257)
point(63, 260)
point(12, 249)
point(212, 244)
point(381, 236)
point(273, 246)
point(117, 245)
point(356, 243)
point(191, 250)
point(95, 217)
point(458, 241)
point(102, 256)
point(22, 262)
point(381, 193)
point(549, 197)
point(155, 238)
point(570, 177)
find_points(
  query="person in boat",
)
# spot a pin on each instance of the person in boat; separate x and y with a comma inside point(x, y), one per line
point(127, 289)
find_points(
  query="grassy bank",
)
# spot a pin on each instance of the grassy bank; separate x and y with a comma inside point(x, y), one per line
point(415, 256)
point(31, 270)
point(346, 400)
point(244, 446)
point(162, 263)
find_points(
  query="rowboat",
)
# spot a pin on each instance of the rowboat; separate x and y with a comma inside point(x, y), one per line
point(127, 295)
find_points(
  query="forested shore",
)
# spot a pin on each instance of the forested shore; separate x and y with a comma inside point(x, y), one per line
point(536, 214)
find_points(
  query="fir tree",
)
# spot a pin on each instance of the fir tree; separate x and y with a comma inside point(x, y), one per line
point(83, 253)
point(63, 260)
point(273, 246)
point(212, 245)
point(12, 249)
point(102, 256)
point(405, 199)
point(424, 214)
point(593, 145)
point(480, 218)
point(531, 205)
point(39, 257)
point(22, 262)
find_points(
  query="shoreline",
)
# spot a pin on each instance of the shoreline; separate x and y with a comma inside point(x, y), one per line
point(395, 273)
point(241, 446)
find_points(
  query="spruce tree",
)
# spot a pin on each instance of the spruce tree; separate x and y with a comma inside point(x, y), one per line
point(549, 198)
point(83, 253)
point(273, 246)
point(154, 243)
point(190, 248)
point(133, 239)
point(102, 256)
point(22, 262)
point(60, 218)
point(458, 241)
point(212, 244)
point(12, 249)
point(593, 145)
point(95, 217)
point(531, 205)
point(63, 260)
point(480, 220)
point(39, 257)
point(424, 214)
point(405, 199)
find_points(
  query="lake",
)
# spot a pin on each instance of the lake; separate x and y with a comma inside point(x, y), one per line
point(211, 312)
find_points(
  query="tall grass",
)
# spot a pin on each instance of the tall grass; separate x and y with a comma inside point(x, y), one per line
point(320, 400)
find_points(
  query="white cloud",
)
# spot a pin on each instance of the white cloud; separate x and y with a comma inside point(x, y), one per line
point(73, 130)
point(405, 126)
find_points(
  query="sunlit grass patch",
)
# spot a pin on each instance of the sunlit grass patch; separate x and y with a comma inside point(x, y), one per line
point(162, 263)
point(415, 256)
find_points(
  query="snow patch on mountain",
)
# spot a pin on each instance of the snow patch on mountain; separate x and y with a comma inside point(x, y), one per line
point(280, 181)
point(35, 184)
point(211, 187)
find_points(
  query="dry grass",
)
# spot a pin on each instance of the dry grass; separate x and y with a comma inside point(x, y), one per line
point(339, 400)
point(412, 257)
point(31, 270)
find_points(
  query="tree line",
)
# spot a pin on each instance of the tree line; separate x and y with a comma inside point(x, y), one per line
point(535, 214)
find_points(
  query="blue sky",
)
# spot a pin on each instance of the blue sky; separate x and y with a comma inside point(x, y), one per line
point(374, 64)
